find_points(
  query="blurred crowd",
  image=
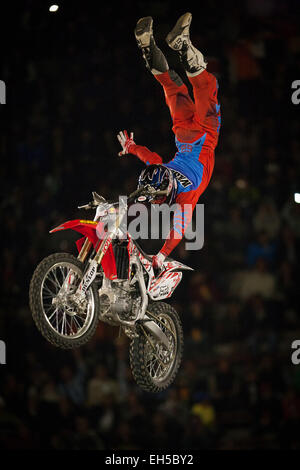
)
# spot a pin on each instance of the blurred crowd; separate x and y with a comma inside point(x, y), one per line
point(74, 79)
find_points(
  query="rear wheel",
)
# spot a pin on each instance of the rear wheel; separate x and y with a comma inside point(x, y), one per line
point(61, 320)
point(155, 366)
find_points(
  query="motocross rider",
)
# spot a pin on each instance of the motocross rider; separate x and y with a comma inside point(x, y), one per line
point(196, 125)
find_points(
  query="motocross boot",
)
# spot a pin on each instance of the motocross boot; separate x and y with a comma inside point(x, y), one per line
point(179, 40)
point(153, 56)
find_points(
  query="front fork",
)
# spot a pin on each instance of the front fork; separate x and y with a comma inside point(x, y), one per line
point(84, 250)
point(81, 257)
point(92, 268)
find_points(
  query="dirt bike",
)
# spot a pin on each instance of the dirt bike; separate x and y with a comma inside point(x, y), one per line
point(111, 280)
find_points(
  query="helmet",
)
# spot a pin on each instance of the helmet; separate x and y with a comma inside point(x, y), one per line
point(159, 177)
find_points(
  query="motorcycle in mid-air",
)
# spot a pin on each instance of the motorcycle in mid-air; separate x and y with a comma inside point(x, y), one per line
point(111, 280)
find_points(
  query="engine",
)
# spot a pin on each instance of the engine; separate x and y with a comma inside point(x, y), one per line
point(119, 301)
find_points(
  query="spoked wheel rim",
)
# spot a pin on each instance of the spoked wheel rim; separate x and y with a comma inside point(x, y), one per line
point(63, 316)
point(160, 359)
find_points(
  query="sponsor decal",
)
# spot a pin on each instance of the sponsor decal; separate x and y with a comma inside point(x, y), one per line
point(106, 245)
point(88, 278)
point(163, 290)
point(183, 180)
point(164, 286)
point(185, 148)
point(88, 222)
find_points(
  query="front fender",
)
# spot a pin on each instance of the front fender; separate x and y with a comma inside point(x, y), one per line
point(88, 229)
point(85, 227)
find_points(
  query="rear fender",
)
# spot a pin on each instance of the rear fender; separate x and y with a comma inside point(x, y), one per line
point(176, 266)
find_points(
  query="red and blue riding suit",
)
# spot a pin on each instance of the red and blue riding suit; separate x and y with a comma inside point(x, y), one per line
point(196, 125)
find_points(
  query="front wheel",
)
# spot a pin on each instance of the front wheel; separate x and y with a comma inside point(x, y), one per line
point(155, 366)
point(61, 321)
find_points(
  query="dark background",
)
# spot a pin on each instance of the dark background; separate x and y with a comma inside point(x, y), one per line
point(74, 79)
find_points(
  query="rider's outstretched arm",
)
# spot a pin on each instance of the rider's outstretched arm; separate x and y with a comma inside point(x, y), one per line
point(143, 153)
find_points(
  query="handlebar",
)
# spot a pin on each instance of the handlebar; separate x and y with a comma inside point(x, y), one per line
point(97, 199)
point(88, 206)
point(147, 190)
point(144, 190)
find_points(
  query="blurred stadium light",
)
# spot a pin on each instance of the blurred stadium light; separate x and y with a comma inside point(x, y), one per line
point(53, 8)
point(297, 198)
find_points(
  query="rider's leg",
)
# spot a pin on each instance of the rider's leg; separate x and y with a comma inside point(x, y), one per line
point(153, 56)
point(181, 106)
point(204, 84)
point(179, 40)
point(205, 90)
